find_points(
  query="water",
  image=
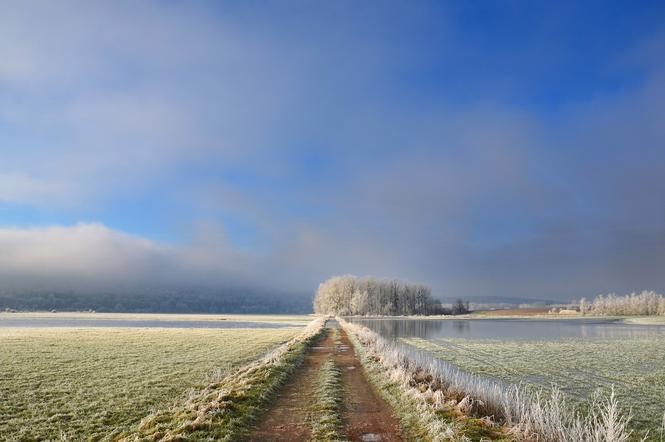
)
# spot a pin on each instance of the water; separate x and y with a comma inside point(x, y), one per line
point(133, 323)
point(509, 329)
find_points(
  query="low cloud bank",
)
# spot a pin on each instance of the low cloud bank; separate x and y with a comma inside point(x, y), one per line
point(90, 266)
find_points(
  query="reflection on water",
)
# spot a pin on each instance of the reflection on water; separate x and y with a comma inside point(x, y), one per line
point(524, 329)
point(132, 323)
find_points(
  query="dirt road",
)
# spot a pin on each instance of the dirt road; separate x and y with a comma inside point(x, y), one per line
point(365, 415)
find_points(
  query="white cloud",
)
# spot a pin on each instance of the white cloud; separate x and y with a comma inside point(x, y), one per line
point(81, 254)
point(91, 257)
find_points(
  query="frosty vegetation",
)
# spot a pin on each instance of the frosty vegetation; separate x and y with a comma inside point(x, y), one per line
point(52, 390)
point(226, 408)
point(352, 295)
point(646, 303)
point(529, 416)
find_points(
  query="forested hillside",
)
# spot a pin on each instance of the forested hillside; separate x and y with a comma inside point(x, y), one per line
point(185, 301)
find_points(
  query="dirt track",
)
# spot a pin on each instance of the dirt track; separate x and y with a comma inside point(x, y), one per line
point(366, 416)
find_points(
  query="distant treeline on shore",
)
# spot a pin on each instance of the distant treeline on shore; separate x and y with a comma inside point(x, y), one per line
point(647, 303)
point(352, 295)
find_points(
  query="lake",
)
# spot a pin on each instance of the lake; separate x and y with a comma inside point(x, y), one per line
point(509, 329)
point(133, 323)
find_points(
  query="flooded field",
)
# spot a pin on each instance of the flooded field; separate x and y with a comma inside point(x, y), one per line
point(510, 329)
point(580, 356)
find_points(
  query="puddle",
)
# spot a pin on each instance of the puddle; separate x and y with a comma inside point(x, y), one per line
point(370, 437)
point(351, 368)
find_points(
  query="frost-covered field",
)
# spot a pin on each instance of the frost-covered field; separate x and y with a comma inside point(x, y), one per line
point(634, 366)
point(82, 382)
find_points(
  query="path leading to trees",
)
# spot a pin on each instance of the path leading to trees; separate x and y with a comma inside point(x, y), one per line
point(365, 415)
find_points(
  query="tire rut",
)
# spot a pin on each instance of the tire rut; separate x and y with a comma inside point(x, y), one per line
point(367, 416)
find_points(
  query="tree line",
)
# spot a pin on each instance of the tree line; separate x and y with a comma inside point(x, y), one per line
point(352, 295)
point(647, 303)
point(228, 300)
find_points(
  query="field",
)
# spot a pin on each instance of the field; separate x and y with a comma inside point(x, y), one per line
point(81, 382)
point(521, 312)
point(635, 367)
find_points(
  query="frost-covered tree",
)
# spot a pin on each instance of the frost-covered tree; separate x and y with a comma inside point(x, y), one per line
point(647, 303)
point(352, 295)
point(359, 302)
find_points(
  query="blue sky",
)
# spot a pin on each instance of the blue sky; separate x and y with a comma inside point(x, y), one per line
point(485, 148)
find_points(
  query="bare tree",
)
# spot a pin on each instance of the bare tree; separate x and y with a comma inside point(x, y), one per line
point(647, 303)
point(344, 295)
point(460, 308)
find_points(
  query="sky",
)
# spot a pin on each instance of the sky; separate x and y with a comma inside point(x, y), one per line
point(505, 148)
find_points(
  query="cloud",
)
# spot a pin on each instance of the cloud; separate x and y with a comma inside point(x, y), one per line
point(99, 92)
point(289, 144)
point(143, 91)
point(93, 258)
point(81, 256)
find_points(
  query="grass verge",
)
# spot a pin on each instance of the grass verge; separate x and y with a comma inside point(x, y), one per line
point(226, 409)
point(326, 420)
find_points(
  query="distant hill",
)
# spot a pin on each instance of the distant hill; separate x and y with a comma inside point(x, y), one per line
point(227, 300)
point(237, 300)
point(499, 301)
